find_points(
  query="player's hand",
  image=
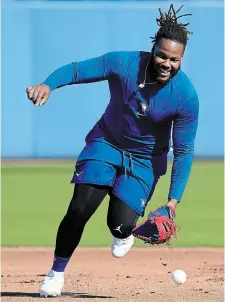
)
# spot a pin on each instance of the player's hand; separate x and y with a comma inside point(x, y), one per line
point(38, 94)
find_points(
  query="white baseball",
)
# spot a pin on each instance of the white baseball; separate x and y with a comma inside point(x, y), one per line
point(179, 276)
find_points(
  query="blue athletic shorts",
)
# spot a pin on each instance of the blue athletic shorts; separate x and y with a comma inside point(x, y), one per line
point(132, 179)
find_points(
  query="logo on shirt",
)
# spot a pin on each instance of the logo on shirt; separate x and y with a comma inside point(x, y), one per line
point(145, 108)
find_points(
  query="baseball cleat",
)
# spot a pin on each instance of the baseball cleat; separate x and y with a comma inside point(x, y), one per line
point(120, 247)
point(52, 285)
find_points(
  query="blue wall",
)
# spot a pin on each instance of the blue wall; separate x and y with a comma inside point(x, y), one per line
point(38, 37)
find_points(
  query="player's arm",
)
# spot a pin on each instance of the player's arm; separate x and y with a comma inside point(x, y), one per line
point(184, 133)
point(87, 71)
point(160, 227)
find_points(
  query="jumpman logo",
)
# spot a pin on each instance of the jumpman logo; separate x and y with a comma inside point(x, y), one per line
point(118, 228)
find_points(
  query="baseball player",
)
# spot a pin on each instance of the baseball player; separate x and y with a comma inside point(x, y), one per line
point(126, 151)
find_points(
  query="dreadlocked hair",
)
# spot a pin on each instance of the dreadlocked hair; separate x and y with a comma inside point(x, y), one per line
point(170, 28)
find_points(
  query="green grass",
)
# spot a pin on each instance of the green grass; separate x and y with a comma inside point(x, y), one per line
point(35, 198)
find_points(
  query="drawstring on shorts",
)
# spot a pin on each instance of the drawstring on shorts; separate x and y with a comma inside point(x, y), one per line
point(131, 168)
point(130, 163)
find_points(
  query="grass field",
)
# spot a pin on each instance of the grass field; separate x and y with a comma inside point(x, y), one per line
point(35, 197)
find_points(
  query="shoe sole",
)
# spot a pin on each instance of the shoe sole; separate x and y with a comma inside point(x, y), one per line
point(45, 295)
point(116, 256)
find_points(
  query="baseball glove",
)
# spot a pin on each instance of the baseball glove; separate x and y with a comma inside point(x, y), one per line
point(159, 228)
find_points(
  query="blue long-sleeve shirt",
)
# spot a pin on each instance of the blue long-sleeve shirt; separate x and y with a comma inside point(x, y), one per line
point(140, 120)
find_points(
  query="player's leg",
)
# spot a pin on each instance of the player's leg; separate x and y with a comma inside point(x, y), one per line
point(85, 201)
point(121, 220)
point(130, 195)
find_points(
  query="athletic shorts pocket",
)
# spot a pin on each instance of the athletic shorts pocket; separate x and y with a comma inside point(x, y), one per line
point(94, 172)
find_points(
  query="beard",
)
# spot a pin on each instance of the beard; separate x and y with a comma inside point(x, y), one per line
point(153, 73)
point(161, 80)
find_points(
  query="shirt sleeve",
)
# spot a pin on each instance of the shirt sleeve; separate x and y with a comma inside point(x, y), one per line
point(87, 71)
point(184, 133)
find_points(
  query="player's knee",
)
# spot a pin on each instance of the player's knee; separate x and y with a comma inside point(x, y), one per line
point(121, 230)
point(77, 211)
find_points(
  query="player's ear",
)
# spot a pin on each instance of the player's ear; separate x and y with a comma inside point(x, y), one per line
point(183, 54)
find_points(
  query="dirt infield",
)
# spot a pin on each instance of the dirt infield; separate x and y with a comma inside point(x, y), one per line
point(94, 275)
